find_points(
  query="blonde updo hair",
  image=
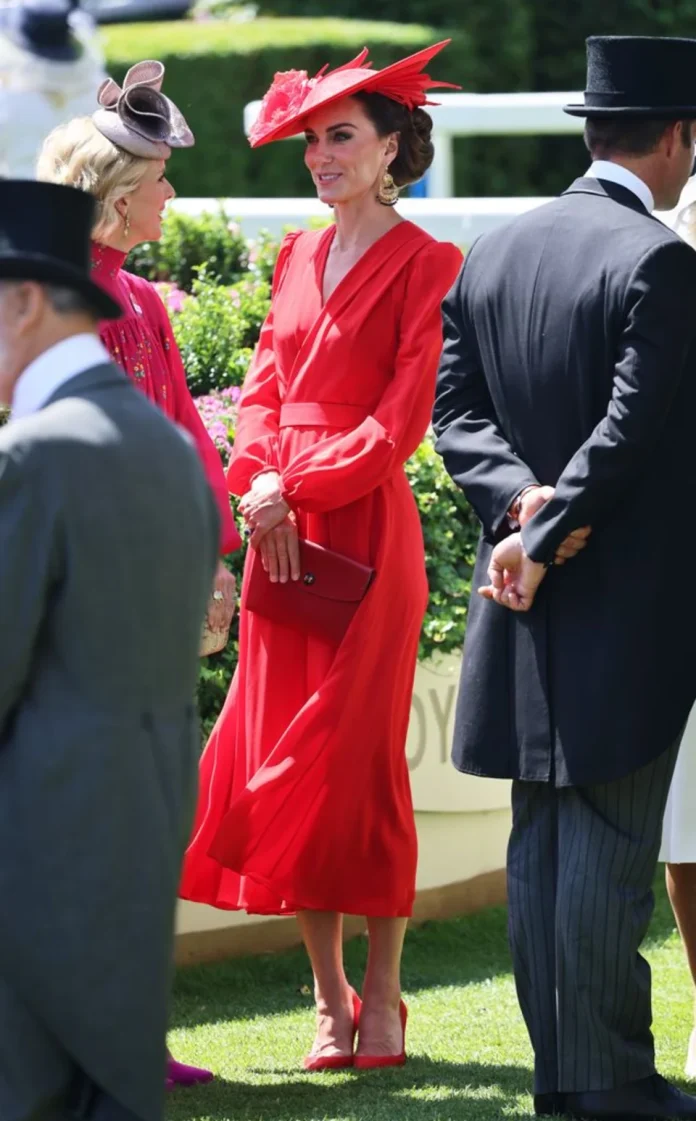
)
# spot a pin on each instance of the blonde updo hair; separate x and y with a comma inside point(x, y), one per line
point(78, 155)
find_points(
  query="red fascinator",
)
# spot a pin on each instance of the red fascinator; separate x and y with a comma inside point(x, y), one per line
point(293, 95)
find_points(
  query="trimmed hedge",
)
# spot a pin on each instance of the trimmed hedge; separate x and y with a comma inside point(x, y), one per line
point(437, 13)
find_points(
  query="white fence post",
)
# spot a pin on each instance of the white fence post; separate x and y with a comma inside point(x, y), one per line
point(441, 174)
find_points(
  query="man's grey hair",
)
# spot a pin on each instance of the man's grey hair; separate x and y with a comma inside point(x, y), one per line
point(65, 301)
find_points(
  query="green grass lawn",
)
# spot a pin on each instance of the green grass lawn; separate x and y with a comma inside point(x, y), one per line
point(251, 1020)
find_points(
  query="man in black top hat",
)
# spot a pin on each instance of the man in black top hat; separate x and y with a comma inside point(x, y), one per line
point(98, 664)
point(565, 408)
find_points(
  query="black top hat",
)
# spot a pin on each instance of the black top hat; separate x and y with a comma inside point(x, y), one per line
point(45, 233)
point(639, 76)
point(41, 27)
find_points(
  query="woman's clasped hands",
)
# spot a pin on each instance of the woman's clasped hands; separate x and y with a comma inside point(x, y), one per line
point(273, 529)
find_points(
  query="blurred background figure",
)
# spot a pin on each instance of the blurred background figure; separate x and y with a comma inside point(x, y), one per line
point(51, 67)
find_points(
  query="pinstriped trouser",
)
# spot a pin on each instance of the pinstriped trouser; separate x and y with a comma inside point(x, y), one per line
point(581, 863)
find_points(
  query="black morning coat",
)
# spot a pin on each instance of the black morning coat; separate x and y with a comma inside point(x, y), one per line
point(569, 360)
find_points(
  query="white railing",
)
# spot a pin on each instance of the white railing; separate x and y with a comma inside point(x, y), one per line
point(448, 219)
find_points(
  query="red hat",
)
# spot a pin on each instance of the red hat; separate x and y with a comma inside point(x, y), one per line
point(293, 95)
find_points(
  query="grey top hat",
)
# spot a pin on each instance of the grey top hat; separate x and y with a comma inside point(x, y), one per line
point(42, 28)
point(639, 76)
point(139, 118)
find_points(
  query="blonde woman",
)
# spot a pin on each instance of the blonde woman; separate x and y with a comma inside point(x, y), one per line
point(119, 155)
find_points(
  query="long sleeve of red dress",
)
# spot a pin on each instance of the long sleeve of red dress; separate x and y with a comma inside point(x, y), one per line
point(142, 343)
point(256, 438)
point(353, 463)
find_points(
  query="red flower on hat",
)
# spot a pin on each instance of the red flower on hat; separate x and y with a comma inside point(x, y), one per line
point(283, 100)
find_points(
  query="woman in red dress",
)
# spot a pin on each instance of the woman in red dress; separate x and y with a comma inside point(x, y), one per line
point(305, 801)
point(120, 157)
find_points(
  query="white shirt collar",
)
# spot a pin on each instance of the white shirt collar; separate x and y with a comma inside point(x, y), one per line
point(617, 173)
point(52, 369)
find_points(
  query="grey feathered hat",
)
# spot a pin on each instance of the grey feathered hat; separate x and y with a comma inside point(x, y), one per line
point(138, 118)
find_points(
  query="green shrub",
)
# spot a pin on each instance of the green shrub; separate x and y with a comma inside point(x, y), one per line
point(437, 13)
point(450, 532)
point(188, 242)
point(262, 256)
point(216, 330)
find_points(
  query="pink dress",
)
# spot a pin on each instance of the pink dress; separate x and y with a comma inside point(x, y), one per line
point(143, 344)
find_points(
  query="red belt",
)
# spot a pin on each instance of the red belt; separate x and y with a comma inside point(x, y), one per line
point(316, 414)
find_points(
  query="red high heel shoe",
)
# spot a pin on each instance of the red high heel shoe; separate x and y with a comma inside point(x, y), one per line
point(371, 1062)
point(337, 1062)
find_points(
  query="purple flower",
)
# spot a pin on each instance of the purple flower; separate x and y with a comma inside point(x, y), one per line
point(174, 298)
point(218, 411)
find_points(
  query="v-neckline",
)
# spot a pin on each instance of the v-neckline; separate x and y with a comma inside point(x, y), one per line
point(326, 248)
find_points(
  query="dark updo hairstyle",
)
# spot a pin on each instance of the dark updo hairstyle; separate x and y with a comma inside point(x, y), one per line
point(416, 150)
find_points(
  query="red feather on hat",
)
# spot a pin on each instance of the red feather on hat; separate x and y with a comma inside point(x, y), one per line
point(293, 94)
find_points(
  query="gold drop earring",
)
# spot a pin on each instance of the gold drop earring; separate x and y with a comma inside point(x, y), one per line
point(388, 193)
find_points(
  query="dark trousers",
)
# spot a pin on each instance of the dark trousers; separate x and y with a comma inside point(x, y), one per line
point(87, 1103)
point(581, 863)
point(38, 1080)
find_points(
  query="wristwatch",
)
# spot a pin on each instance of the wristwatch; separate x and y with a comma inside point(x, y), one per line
point(514, 511)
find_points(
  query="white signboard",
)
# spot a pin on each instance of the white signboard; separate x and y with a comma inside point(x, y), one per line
point(437, 787)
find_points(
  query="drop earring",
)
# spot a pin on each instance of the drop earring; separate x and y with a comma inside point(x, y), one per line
point(388, 193)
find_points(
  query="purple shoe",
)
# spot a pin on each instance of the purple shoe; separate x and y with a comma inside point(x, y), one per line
point(181, 1074)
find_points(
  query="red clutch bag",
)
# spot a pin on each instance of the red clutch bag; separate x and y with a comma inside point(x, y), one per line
point(321, 603)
